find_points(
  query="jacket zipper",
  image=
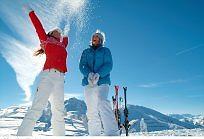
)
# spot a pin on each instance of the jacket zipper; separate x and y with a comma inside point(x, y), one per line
point(94, 60)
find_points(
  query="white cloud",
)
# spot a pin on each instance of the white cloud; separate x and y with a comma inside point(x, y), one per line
point(157, 84)
point(189, 49)
point(71, 95)
point(19, 52)
point(26, 104)
point(149, 85)
point(20, 58)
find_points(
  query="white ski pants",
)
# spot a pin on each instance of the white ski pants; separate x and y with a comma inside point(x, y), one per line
point(51, 86)
point(99, 113)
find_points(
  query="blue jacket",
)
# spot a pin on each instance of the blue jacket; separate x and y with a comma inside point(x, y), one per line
point(96, 61)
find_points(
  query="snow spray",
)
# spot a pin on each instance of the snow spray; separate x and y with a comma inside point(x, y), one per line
point(17, 45)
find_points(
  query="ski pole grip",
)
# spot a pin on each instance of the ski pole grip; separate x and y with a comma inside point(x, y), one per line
point(116, 87)
point(125, 88)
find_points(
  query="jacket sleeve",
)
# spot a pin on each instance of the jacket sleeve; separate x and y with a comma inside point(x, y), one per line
point(65, 41)
point(83, 65)
point(106, 68)
point(38, 26)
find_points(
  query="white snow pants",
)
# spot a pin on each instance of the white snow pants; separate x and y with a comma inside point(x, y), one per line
point(99, 113)
point(51, 86)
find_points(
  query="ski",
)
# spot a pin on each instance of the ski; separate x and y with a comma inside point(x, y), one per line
point(126, 122)
point(116, 107)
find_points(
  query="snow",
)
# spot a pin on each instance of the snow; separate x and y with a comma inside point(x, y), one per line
point(76, 122)
point(195, 119)
point(9, 126)
point(179, 132)
point(11, 118)
point(143, 126)
point(18, 53)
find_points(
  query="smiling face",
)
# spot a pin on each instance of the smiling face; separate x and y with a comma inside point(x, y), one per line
point(95, 40)
point(56, 34)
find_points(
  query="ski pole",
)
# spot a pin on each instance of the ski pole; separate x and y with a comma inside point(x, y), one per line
point(113, 99)
point(117, 112)
point(126, 122)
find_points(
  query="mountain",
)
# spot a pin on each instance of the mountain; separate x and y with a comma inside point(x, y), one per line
point(180, 116)
point(11, 118)
point(74, 104)
point(154, 120)
point(194, 119)
point(76, 121)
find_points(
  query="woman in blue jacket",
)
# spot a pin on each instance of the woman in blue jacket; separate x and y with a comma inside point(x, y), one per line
point(95, 65)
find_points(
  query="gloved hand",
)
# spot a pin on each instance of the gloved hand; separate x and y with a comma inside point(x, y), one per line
point(95, 78)
point(27, 8)
point(90, 78)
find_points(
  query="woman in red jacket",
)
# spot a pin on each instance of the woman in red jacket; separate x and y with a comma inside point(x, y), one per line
point(51, 85)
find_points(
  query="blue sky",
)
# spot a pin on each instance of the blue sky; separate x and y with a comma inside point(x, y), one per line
point(157, 48)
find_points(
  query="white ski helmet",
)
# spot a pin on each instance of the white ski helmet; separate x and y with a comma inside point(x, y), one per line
point(101, 36)
point(55, 29)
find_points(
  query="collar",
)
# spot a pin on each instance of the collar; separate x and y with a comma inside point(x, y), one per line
point(92, 47)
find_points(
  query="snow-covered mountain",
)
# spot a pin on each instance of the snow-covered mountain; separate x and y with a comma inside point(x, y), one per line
point(155, 121)
point(76, 121)
point(74, 104)
point(194, 119)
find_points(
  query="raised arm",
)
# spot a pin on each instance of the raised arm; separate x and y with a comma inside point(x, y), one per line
point(65, 41)
point(38, 26)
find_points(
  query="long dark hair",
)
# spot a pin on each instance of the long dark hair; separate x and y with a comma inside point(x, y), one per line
point(41, 51)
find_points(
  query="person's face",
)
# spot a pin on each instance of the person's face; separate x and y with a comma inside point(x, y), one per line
point(56, 34)
point(95, 40)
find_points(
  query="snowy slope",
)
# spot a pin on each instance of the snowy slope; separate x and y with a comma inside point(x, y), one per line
point(195, 119)
point(179, 132)
point(12, 117)
point(155, 122)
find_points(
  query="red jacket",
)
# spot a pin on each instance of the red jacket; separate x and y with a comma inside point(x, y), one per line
point(55, 50)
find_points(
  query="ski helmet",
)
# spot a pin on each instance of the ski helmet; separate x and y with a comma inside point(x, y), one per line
point(101, 36)
point(56, 29)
